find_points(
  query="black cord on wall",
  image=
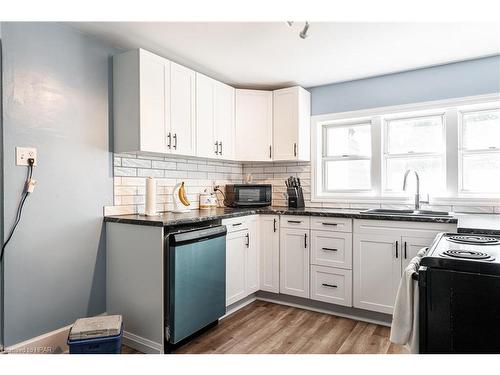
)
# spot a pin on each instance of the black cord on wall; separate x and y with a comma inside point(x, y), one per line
point(19, 212)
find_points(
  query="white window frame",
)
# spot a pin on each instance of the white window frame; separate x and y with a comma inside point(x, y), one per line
point(462, 151)
point(450, 109)
point(325, 158)
point(386, 156)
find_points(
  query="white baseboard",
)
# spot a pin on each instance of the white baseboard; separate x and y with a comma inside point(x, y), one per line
point(53, 342)
point(141, 344)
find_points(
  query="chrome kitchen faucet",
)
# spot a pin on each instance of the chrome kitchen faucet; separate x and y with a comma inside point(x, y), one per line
point(417, 194)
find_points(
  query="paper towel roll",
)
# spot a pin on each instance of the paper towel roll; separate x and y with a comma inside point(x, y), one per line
point(150, 196)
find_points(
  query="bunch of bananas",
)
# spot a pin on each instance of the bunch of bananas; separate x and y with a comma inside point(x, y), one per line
point(182, 195)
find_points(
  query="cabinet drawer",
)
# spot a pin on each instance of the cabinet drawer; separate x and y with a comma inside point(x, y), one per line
point(331, 285)
point(337, 224)
point(236, 223)
point(294, 221)
point(332, 249)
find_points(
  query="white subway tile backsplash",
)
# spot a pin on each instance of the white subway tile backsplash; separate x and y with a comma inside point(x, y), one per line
point(137, 163)
point(122, 171)
point(158, 173)
point(130, 171)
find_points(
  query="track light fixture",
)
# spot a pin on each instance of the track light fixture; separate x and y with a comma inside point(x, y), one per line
point(303, 33)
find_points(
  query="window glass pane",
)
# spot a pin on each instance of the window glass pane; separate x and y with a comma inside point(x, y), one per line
point(423, 134)
point(481, 172)
point(348, 140)
point(348, 174)
point(429, 169)
point(481, 130)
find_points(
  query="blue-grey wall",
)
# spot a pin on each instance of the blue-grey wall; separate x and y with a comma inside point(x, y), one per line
point(466, 78)
point(56, 86)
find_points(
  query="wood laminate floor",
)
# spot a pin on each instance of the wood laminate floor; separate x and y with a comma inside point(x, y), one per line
point(268, 328)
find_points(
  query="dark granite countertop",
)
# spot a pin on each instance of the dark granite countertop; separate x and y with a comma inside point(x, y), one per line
point(479, 224)
point(194, 216)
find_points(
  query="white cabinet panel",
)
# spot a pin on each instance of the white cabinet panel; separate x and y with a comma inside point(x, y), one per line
point(336, 224)
point(224, 120)
point(376, 271)
point(252, 257)
point(332, 249)
point(253, 125)
point(331, 285)
point(205, 108)
point(182, 110)
point(269, 253)
point(294, 262)
point(236, 246)
point(291, 124)
point(295, 221)
point(412, 245)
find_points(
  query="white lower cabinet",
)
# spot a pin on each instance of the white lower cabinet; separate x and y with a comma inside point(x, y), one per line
point(377, 272)
point(242, 258)
point(235, 266)
point(294, 262)
point(381, 251)
point(333, 285)
point(269, 240)
point(332, 249)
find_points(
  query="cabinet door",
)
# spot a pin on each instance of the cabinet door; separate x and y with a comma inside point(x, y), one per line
point(285, 122)
point(253, 125)
point(236, 250)
point(376, 271)
point(153, 69)
point(224, 120)
point(294, 262)
point(412, 245)
point(269, 253)
point(252, 257)
point(205, 98)
point(182, 110)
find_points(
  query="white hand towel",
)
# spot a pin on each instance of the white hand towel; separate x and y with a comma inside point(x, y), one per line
point(404, 328)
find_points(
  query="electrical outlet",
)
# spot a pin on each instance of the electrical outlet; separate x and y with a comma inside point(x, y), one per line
point(25, 153)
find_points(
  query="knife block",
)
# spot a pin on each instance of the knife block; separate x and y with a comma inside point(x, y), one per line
point(295, 197)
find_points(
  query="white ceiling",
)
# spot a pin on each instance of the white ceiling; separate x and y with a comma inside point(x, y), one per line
point(271, 55)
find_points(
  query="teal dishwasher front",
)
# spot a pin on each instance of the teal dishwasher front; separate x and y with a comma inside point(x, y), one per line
point(196, 290)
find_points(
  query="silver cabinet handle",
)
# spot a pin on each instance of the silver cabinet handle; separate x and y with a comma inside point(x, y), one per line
point(328, 249)
point(330, 285)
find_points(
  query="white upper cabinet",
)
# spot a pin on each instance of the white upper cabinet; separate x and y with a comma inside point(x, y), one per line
point(182, 110)
point(154, 104)
point(139, 103)
point(291, 127)
point(253, 125)
point(214, 118)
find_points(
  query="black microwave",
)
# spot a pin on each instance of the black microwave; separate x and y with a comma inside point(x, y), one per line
point(248, 195)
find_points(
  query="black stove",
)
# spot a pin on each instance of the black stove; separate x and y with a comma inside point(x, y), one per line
point(459, 280)
point(468, 253)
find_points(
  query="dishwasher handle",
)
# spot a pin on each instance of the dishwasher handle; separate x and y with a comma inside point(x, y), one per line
point(197, 235)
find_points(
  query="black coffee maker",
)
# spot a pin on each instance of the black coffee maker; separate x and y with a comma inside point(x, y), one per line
point(294, 191)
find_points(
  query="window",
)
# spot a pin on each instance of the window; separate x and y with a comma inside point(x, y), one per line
point(346, 157)
point(479, 151)
point(454, 145)
point(414, 143)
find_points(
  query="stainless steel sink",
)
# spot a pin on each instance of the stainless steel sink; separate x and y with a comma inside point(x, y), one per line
point(382, 211)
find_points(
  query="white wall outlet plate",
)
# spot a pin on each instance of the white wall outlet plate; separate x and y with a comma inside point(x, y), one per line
point(25, 153)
